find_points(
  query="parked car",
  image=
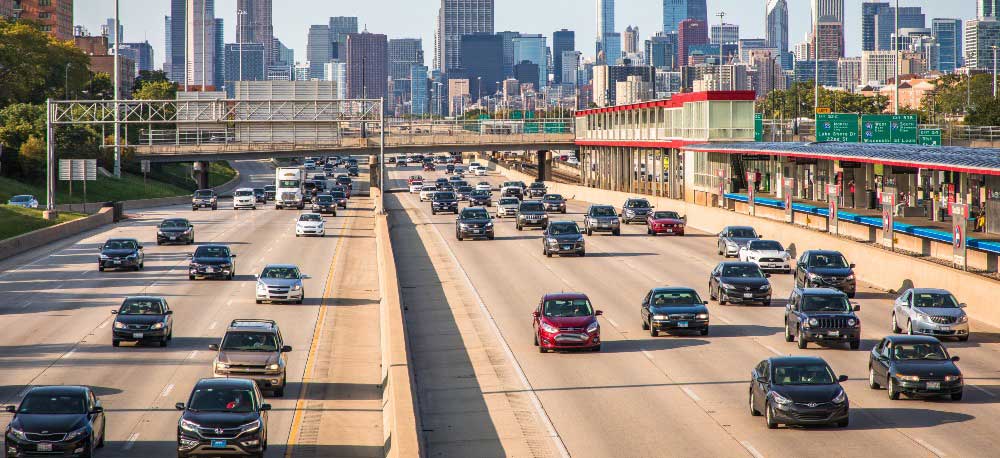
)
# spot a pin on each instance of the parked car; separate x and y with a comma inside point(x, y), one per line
point(23, 200)
point(665, 222)
point(566, 321)
point(121, 254)
point(930, 311)
point(917, 366)
point(554, 203)
point(821, 315)
point(767, 254)
point(733, 237)
point(798, 390)
point(143, 319)
point(563, 237)
point(635, 210)
point(739, 283)
point(825, 269)
point(281, 283)
point(674, 308)
point(223, 416)
point(602, 218)
point(474, 222)
point(56, 421)
point(212, 261)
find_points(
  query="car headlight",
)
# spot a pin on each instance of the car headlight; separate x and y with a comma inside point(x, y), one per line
point(813, 322)
point(765, 287)
point(908, 378)
point(188, 425)
point(75, 434)
point(548, 328)
point(161, 233)
point(19, 434)
point(963, 319)
point(593, 327)
point(489, 224)
point(119, 325)
point(273, 367)
point(221, 366)
point(159, 325)
point(812, 276)
point(463, 225)
point(252, 426)
point(189, 230)
point(923, 317)
point(261, 287)
point(727, 286)
point(786, 256)
point(850, 277)
point(852, 322)
point(296, 287)
point(701, 316)
point(780, 399)
point(660, 317)
point(731, 245)
point(104, 256)
point(194, 265)
point(952, 378)
point(131, 256)
point(840, 397)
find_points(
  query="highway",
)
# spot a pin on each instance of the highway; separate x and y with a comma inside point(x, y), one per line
point(675, 395)
point(56, 320)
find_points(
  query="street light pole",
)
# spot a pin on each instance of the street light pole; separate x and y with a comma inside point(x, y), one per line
point(68, 64)
point(994, 71)
point(895, 44)
point(722, 23)
point(118, 149)
point(815, 60)
point(239, 37)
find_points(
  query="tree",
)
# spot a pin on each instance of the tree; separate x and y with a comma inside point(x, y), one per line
point(34, 65)
point(146, 78)
point(32, 157)
point(100, 87)
point(797, 102)
point(955, 96)
point(156, 90)
point(18, 123)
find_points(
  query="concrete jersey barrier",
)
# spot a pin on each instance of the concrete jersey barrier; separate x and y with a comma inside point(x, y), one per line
point(41, 237)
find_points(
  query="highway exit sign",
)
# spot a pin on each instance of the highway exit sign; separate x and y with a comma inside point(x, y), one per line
point(758, 127)
point(889, 129)
point(837, 127)
point(929, 137)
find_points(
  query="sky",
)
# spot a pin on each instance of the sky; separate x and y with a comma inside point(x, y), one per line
point(143, 19)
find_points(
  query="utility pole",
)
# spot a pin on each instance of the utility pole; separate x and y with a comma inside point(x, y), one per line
point(239, 37)
point(722, 23)
point(815, 61)
point(118, 149)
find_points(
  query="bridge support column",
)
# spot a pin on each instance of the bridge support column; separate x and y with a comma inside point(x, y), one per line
point(201, 174)
point(544, 161)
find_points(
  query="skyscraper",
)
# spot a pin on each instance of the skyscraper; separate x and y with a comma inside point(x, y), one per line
point(562, 41)
point(869, 34)
point(948, 33)
point(284, 55)
point(507, 37)
point(630, 40)
point(885, 24)
point(987, 8)
point(166, 45)
point(777, 29)
point(661, 50)
point(569, 69)
point(404, 53)
point(605, 28)
point(675, 11)
point(54, 17)
point(532, 48)
point(176, 46)
point(827, 22)
point(340, 27)
point(367, 61)
point(255, 25)
point(140, 53)
point(201, 44)
point(724, 34)
point(482, 61)
point(457, 18)
point(418, 90)
point(828, 10)
point(249, 56)
point(318, 51)
point(219, 64)
point(690, 32)
point(980, 36)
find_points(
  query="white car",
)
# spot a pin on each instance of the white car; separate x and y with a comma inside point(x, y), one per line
point(484, 186)
point(481, 172)
point(427, 192)
point(507, 206)
point(310, 224)
point(244, 198)
point(23, 200)
point(767, 254)
point(474, 166)
point(416, 186)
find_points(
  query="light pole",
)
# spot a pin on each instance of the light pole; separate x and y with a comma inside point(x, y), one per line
point(68, 64)
point(722, 24)
point(895, 44)
point(815, 60)
point(118, 148)
point(994, 47)
point(239, 37)
point(479, 92)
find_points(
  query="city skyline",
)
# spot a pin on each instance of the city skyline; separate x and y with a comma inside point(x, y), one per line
point(144, 21)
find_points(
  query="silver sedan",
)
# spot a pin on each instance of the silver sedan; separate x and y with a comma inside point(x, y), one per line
point(932, 312)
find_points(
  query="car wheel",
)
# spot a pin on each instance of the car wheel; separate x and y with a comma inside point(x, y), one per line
point(458, 235)
point(542, 349)
point(279, 393)
point(649, 231)
point(645, 325)
point(299, 302)
point(548, 254)
point(711, 292)
point(259, 301)
point(801, 340)
point(909, 327)
point(891, 389)
point(564, 211)
point(158, 243)
point(851, 294)
point(704, 332)
point(769, 411)
point(583, 253)
point(855, 344)
point(596, 349)
point(956, 396)
point(190, 277)
point(964, 338)
point(115, 342)
point(519, 227)
point(721, 296)
point(589, 232)
point(230, 277)
point(871, 379)
point(163, 342)
point(895, 325)
point(720, 251)
point(536, 340)
point(653, 332)
point(617, 232)
point(844, 423)
point(100, 268)
point(789, 337)
point(753, 412)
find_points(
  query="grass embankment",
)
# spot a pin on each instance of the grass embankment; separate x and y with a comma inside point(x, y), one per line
point(129, 187)
point(219, 173)
point(15, 221)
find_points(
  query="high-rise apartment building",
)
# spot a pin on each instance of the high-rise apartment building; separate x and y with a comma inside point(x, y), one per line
point(176, 44)
point(219, 64)
point(661, 50)
point(53, 16)
point(201, 44)
point(457, 18)
point(690, 32)
point(877, 67)
point(254, 24)
point(869, 32)
point(987, 8)
point(418, 90)
point(827, 25)
point(340, 27)
point(849, 73)
point(948, 33)
point(367, 62)
point(141, 54)
point(318, 49)
point(482, 63)
point(284, 56)
point(562, 41)
point(243, 62)
point(532, 48)
point(675, 11)
point(458, 96)
point(769, 76)
point(404, 53)
point(6, 8)
point(337, 73)
point(776, 29)
point(980, 37)
point(724, 34)
point(630, 40)
point(569, 67)
point(885, 24)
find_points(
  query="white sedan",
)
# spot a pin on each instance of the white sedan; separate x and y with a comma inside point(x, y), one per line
point(767, 254)
point(427, 192)
point(416, 186)
point(484, 186)
point(310, 224)
point(481, 172)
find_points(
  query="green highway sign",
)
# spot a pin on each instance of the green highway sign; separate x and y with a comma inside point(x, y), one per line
point(837, 127)
point(758, 127)
point(929, 137)
point(889, 129)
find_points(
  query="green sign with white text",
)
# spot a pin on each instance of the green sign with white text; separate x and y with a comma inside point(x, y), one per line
point(758, 127)
point(930, 137)
point(837, 127)
point(889, 129)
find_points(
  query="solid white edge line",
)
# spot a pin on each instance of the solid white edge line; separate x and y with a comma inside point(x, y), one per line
point(749, 447)
point(131, 441)
point(983, 390)
point(691, 394)
point(773, 350)
point(611, 321)
point(723, 319)
point(166, 390)
point(929, 447)
point(543, 416)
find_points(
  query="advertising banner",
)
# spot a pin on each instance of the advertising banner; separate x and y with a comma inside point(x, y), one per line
point(788, 187)
point(959, 219)
point(833, 205)
point(888, 204)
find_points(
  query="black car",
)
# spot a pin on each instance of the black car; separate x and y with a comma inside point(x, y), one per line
point(917, 366)
point(513, 192)
point(223, 416)
point(340, 197)
point(325, 203)
point(204, 198)
point(673, 308)
point(635, 210)
point(481, 198)
point(121, 254)
point(474, 222)
point(56, 421)
point(554, 203)
point(536, 190)
point(464, 192)
point(602, 218)
point(345, 180)
point(821, 315)
point(444, 201)
point(449, 169)
point(798, 390)
point(269, 192)
point(353, 171)
point(143, 319)
point(563, 237)
point(212, 261)
point(260, 195)
point(340, 188)
point(308, 190)
point(531, 213)
point(739, 283)
point(825, 269)
point(175, 230)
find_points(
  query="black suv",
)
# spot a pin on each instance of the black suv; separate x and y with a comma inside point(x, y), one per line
point(474, 222)
point(325, 203)
point(143, 319)
point(223, 416)
point(212, 261)
point(798, 390)
point(602, 218)
point(175, 230)
point(353, 171)
point(917, 366)
point(667, 309)
point(121, 254)
point(536, 190)
point(56, 421)
point(563, 237)
point(260, 195)
point(821, 315)
point(825, 269)
point(739, 282)
point(444, 201)
point(635, 210)
point(204, 198)
point(554, 203)
point(531, 213)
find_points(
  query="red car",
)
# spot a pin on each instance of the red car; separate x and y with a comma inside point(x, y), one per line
point(665, 222)
point(428, 167)
point(566, 321)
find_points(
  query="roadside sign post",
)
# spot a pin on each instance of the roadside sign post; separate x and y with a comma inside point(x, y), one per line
point(78, 170)
point(888, 205)
point(786, 194)
point(959, 223)
point(833, 201)
point(751, 194)
point(837, 127)
point(758, 127)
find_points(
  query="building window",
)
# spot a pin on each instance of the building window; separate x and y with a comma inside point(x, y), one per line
point(44, 2)
point(44, 15)
point(46, 28)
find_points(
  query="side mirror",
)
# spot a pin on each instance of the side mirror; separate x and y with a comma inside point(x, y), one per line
point(767, 275)
point(842, 378)
point(955, 359)
point(213, 347)
point(256, 277)
point(963, 305)
point(788, 306)
point(761, 380)
point(97, 409)
point(856, 308)
point(179, 406)
point(599, 313)
point(265, 407)
point(306, 277)
point(286, 349)
point(170, 312)
point(190, 255)
point(140, 247)
point(114, 312)
point(536, 314)
point(704, 302)
point(232, 256)
point(853, 266)
point(11, 409)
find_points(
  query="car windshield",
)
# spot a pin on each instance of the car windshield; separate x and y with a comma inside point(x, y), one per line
point(444, 196)
point(742, 271)
point(53, 404)
point(465, 189)
point(324, 199)
point(477, 213)
point(182, 223)
point(935, 300)
point(211, 252)
point(537, 185)
point(203, 194)
point(286, 273)
point(825, 303)
point(563, 229)
point(568, 308)
point(804, 374)
point(338, 195)
point(239, 400)
point(119, 245)
point(765, 245)
point(602, 211)
point(141, 307)
point(480, 193)
point(508, 184)
point(666, 215)
point(343, 180)
point(552, 197)
point(258, 190)
point(743, 233)
point(250, 341)
point(310, 217)
point(20, 199)
point(531, 207)
point(675, 298)
point(833, 260)
point(637, 204)
point(919, 351)
point(509, 201)
point(244, 193)
point(269, 188)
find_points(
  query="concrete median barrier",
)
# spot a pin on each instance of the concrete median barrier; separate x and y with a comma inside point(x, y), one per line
point(41, 237)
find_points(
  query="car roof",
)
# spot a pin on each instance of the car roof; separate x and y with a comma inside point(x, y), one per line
point(796, 360)
point(58, 389)
point(737, 263)
point(911, 339)
point(119, 239)
point(821, 292)
point(287, 266)
point(738, 227)
point(214, 245)
point(143, 298)
point(252, 324)
point(310, 214)
point(929, 291)
point(564, 296)
point(563, 222)
point(664, 289)
point(174, 219)
point(223, 382)
point(823, 252)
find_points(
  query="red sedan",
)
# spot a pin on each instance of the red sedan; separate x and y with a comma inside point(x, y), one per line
point(665, 222)
point(566, 321)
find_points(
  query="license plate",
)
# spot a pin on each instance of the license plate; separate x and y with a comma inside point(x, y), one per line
point(218, 444)
point(682, 324)
point(477, 231)
point(933, 385)
point(748, 295)
point(669, 231)
point(210, 270)
point(946, 328)
point(118, 262)
point(567, 247)
point(173, 238)
point(43, 447)
point(136, 335)
point(833, 333)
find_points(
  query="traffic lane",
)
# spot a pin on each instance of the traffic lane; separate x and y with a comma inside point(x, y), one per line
point(586, 395)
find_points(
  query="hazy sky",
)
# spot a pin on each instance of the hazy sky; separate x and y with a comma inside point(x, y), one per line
point(143, 19)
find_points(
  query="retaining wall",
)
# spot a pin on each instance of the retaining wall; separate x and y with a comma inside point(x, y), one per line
point(34, 239)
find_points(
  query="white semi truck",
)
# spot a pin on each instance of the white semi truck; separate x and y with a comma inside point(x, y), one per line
point(288, 184)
